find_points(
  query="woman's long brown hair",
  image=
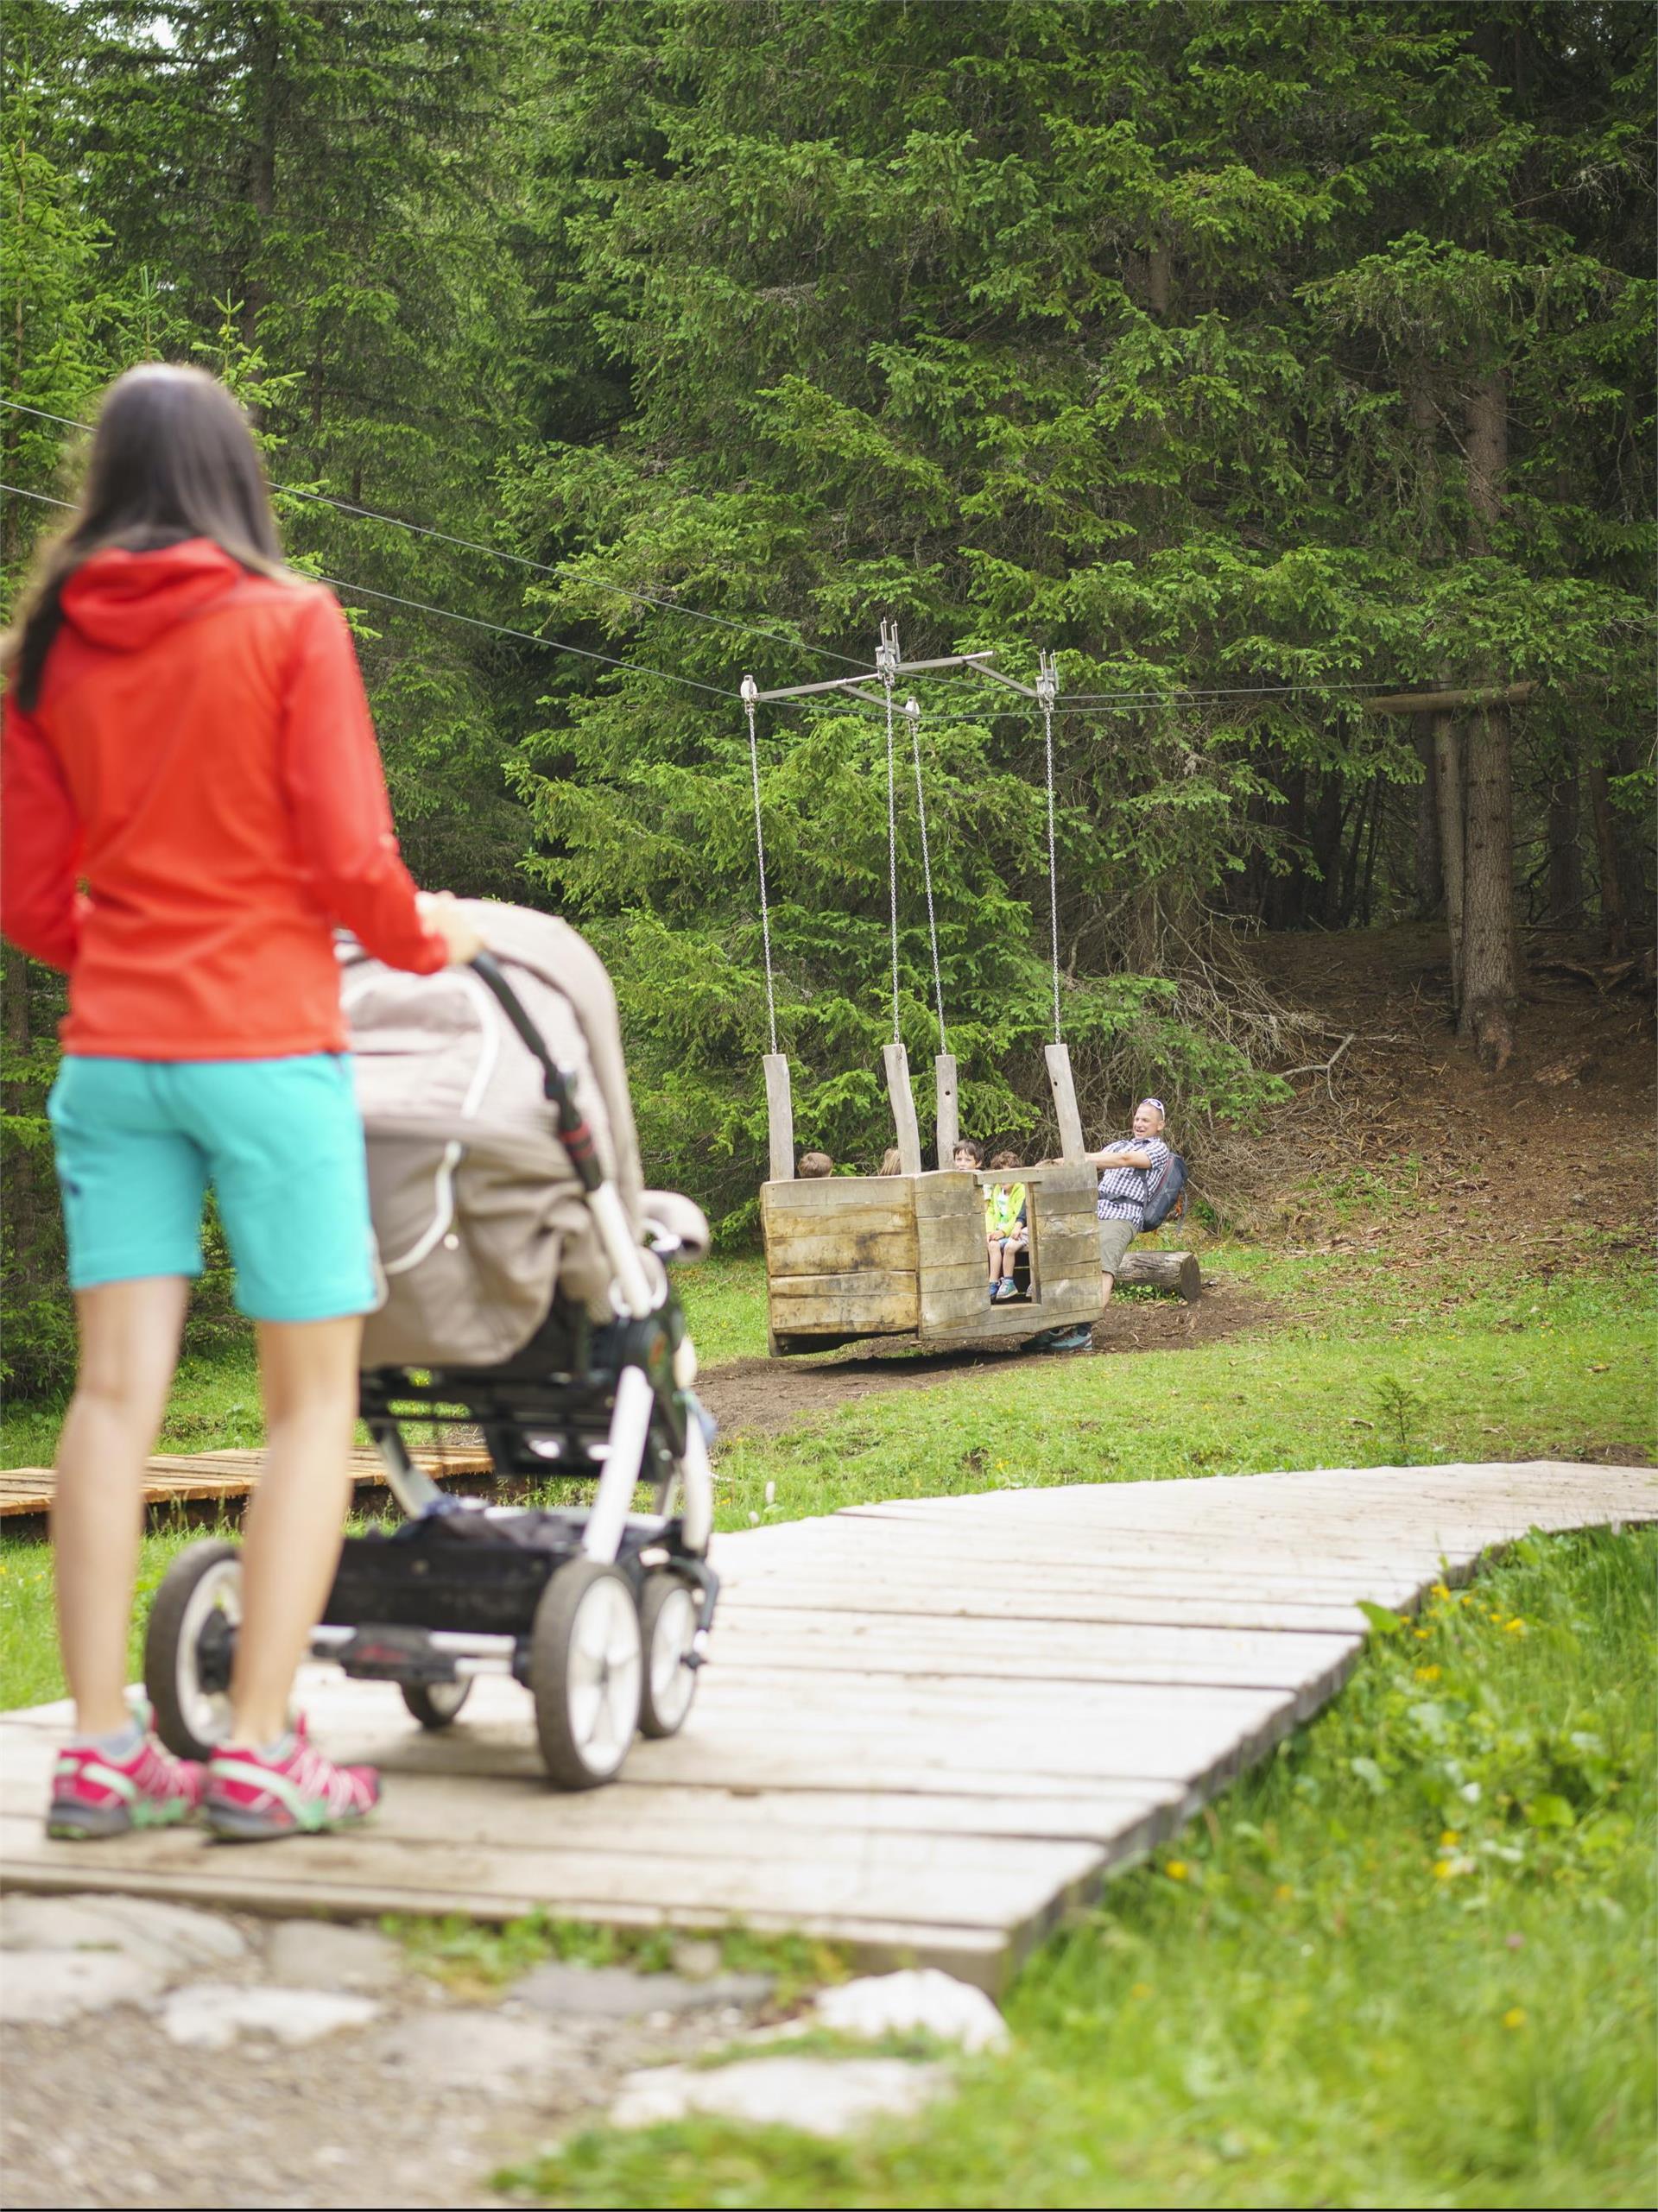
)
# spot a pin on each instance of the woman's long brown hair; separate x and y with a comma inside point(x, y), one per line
point(172, 457)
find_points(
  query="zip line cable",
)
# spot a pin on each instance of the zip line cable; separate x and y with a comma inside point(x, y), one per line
point(495, 552)
point(473, 621)
point(1069, 700)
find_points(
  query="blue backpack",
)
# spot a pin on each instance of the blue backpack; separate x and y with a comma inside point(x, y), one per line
point(1167, 1194)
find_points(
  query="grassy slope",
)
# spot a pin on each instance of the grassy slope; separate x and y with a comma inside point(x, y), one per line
point(1407, 1961)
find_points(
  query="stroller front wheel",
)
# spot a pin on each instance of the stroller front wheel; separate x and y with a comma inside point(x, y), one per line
point(668, 1620)
point(586, 1669)
point(435, 1704)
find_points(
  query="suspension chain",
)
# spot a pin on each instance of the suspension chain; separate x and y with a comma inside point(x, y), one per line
point(913, 716)
point(750, 692)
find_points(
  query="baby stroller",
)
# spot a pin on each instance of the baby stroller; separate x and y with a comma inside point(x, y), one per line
point(527, 1296)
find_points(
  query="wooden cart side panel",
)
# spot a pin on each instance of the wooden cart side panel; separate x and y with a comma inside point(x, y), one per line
point(840, 1256)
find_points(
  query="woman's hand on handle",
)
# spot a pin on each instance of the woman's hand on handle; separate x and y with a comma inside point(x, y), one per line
point(440, 911)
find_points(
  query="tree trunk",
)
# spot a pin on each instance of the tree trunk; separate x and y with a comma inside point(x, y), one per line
point(1614, 913)
point(1157, 279)
point(1328, 822)
point(1429, 868)
point(261, 175)
point(1564, 904)
point(1489, 939)
point(1448, 779)
point(1378, 806)
point(1490, 979)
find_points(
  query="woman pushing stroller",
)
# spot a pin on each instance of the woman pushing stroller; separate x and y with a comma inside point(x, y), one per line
point(185, 729)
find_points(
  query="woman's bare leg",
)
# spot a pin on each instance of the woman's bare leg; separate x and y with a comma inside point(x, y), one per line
point(129, 1348)
point(308, 1372)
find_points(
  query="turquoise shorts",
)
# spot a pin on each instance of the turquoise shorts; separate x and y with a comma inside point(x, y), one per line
point(280, 1141)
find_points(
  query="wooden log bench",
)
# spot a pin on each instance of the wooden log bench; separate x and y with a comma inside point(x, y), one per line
point(1164, 1271)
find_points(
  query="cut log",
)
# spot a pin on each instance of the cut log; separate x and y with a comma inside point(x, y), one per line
point(1169, 1271)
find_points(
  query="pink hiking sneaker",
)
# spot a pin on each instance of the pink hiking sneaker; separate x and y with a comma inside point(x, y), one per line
point(93, 1795)
point(251, 1798)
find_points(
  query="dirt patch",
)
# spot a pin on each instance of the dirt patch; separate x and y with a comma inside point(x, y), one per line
point(762, 1396)
point(1406, 1146)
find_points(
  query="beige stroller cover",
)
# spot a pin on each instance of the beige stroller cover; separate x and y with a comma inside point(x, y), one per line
point(478, 1212)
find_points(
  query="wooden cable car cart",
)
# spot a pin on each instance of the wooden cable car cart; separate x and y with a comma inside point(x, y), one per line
point(903, 1257)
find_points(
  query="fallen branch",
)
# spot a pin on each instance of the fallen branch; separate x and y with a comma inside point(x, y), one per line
point(1326, 1068)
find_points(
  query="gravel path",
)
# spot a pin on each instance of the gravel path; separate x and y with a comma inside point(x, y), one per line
point(156, 2056)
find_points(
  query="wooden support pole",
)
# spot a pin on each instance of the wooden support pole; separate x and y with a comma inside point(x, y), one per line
point(944, 1077)
point(1445, 702)
point(1063, 1085)
point(903, 1109)
point(779, 1117)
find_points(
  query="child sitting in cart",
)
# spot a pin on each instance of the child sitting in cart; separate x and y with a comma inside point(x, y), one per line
point(1007, 1232)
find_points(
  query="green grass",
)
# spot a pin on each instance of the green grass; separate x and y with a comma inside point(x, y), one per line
point(1408, 1961)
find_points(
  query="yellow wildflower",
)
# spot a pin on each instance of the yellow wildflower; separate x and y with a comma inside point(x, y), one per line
point(1141, 1989)
point(1421, 1634)
point(1514, 2017)
point(1439, 1591)
point(1444, 1869)
point(1449, 1839)
point(1428, 1674)
point(1283, 1892)
point(1514, 1627)
point(1176, 1870)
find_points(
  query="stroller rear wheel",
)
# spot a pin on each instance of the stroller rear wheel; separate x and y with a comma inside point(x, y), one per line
point(188, 1648)
point(586, 1665)
point(668, 1622)
point(435, 1704)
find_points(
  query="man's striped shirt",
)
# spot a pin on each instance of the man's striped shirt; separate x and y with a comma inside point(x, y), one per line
point(1124, 1191)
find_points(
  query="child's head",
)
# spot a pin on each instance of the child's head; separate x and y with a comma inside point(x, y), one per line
point(816, 1164)
point(1006, 1159)
point(892, 1161)
point(967, 1153)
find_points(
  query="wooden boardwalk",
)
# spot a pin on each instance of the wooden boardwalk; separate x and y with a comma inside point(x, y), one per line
point(927, 1727)
point(195, 1478)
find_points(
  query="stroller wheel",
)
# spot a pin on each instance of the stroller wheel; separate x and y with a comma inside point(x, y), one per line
point(435, 1704)
point(188, 1648)
point(667, 1622)
point(585, 1663)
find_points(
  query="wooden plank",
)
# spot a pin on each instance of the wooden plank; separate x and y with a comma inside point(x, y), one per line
point(779, 1117)
point(861, 1282)
point(891, 1197)
point(895, 1060)
point(848, 1313)
point(827, 1246)
point(948, 1124)
point(951, 1197)
point(1062, 1083)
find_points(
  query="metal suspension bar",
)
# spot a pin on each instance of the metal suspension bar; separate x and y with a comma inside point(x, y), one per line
point(750, 694)
point(887, 660)
point(1048, 686)
point(913, 716)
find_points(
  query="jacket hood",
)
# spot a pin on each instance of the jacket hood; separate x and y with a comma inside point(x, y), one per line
point(121, 600)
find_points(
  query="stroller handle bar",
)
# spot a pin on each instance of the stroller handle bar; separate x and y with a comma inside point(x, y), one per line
point(616, 1232)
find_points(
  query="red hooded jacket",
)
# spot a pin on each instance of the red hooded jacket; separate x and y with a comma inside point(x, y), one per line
point(201, 755)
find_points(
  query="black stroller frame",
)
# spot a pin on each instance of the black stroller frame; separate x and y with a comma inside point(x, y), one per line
point(601, 1612)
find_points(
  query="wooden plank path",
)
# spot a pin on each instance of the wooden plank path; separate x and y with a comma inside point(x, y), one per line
point(928, 1728)
point(191, 1478)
